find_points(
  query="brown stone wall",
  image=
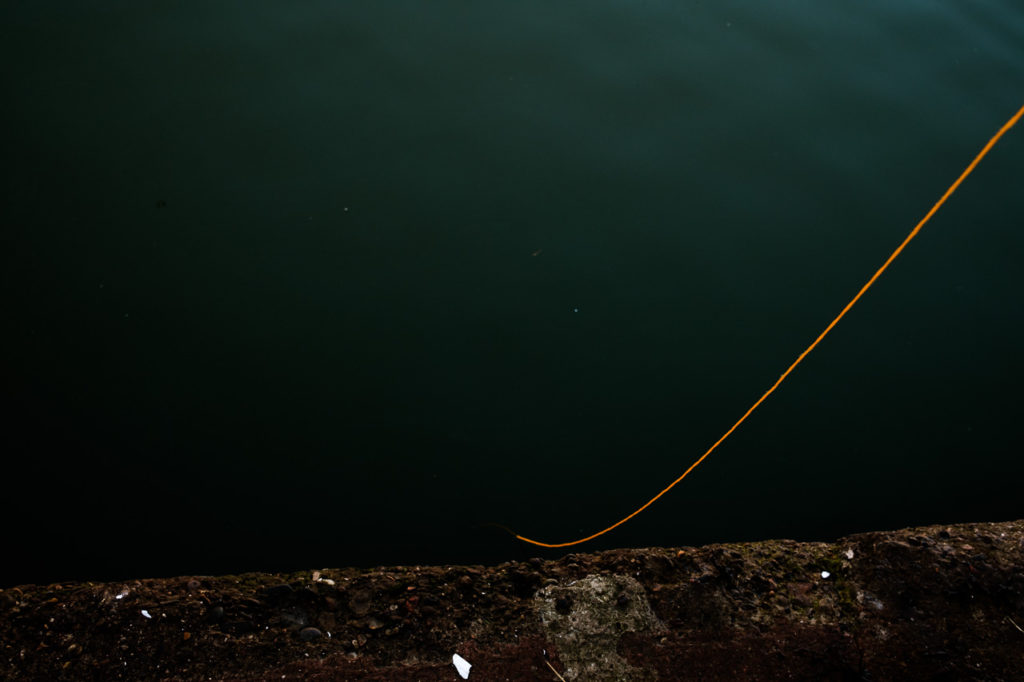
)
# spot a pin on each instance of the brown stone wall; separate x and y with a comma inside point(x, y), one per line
point(936, 603)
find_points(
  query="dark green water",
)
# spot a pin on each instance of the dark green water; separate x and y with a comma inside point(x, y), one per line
point(333, 283)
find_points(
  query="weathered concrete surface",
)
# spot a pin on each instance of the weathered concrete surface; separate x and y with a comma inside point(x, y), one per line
point(936, 603)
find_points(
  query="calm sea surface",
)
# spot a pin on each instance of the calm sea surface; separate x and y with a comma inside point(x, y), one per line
point(292, 285)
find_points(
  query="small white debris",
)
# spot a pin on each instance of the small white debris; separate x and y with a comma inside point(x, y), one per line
point(825, 574)
point(462, 666)
point(849, 554)
point(318, 579)
point(146, 613)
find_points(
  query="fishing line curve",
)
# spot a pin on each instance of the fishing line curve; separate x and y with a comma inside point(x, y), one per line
point(913, 233)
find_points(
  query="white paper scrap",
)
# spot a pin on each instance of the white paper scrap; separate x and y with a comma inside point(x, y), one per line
point(146, 613)
point(825, 574)
point(462, 665)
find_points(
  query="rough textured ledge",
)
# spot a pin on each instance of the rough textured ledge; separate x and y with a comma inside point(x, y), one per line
point(941, 602)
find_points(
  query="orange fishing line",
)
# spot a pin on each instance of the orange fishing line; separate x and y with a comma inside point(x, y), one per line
point(913, 233)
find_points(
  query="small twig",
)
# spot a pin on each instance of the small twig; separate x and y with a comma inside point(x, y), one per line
point(562, 678)
point(1014, 624)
